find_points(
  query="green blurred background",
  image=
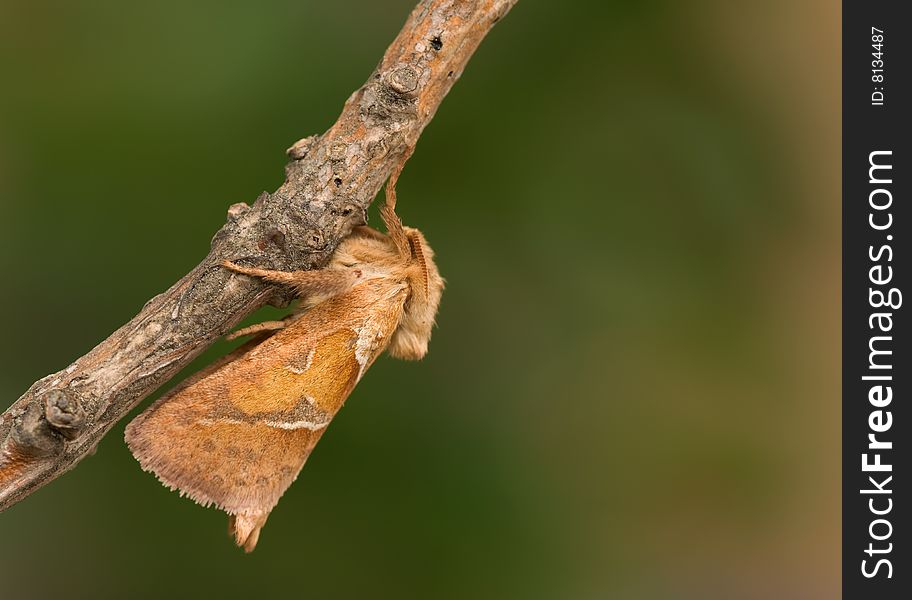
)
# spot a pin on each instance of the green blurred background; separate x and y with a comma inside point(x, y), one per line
point(633, 389)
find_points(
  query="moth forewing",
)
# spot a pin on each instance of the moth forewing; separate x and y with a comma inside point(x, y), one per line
point(237, 435)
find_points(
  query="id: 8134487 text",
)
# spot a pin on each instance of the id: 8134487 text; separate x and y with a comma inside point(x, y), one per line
point(877, 66)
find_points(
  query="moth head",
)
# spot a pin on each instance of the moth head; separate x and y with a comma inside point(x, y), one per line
point(410, 341)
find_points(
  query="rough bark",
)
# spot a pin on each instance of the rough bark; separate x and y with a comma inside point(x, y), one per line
point(330, 182)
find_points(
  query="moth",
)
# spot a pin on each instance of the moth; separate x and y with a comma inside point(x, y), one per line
point(236, 435)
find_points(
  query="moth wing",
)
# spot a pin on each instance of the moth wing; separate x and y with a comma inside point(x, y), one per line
point(237, 434)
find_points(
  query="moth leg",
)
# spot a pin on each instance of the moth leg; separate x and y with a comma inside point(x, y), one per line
point(257, 328)
point(245, 529)
point(388, 210)
point(323, 281)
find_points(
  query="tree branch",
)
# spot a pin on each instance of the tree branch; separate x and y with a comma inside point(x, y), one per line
point(330, 182)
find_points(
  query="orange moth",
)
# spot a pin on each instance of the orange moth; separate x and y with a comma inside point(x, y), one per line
point(237, 434)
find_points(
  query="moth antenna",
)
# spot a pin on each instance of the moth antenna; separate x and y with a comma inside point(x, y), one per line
point(422, 262)
point(388, 211)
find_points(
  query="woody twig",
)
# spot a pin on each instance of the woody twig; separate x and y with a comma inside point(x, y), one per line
point(330, 182)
